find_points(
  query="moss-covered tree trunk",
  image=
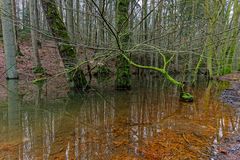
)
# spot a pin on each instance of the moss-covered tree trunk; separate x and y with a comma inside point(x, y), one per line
point(75, 76)
point(123, 75)
point(235, 32)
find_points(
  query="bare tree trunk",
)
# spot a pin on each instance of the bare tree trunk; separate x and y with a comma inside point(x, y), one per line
point(70, 23)
point(145, 21)
point(101, 23)
point(144, 10)
point(1, 27)
point(88, 10)
point(15, 26)
point(23, 13)
point(111, 15)
point(77, 31)
point(33, 22)
point(9, 39)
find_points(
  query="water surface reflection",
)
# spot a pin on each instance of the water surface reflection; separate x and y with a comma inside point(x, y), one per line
point(146, 123)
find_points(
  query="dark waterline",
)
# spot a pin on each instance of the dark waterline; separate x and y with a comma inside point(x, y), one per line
point(147, 122)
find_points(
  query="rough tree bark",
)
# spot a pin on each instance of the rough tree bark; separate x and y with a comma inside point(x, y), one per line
point(75, 75)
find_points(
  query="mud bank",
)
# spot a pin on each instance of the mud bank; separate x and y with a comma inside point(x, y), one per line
point(229, 148)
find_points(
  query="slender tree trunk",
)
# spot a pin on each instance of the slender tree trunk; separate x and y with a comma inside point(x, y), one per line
point(1, 26)
point(152, 30)
point(70, 22)
point(37, 15)
point(14, 17)
point(77, 31)
point(145, 56)
point(111, 20)
point(190, 62)
point(211, 27)
point(159, 27)
point(145, 11)
point(61, 8)
point(101, 23)
point(88, 25)
point(41, 23)
point(131, 21)
point(23, 13)
point(9, 39)
point(33, 22)
point(123, 79)
point(75, 75)
point(38, 23)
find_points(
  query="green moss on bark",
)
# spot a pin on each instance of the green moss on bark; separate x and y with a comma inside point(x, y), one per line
point(123, 75)
point(75, 75)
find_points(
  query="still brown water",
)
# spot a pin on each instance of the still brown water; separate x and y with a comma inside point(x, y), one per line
point(147, 122)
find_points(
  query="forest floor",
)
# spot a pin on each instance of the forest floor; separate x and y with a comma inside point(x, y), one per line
point(229, 148)
point(51, 62)
point(56, 86)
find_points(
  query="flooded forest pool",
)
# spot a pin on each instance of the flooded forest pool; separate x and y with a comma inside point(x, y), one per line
point(148, 122)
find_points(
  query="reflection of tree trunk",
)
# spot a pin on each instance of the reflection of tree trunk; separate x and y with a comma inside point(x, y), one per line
point(28, 134)
point(207, 95)
point(13, 108)
point(38, 98)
